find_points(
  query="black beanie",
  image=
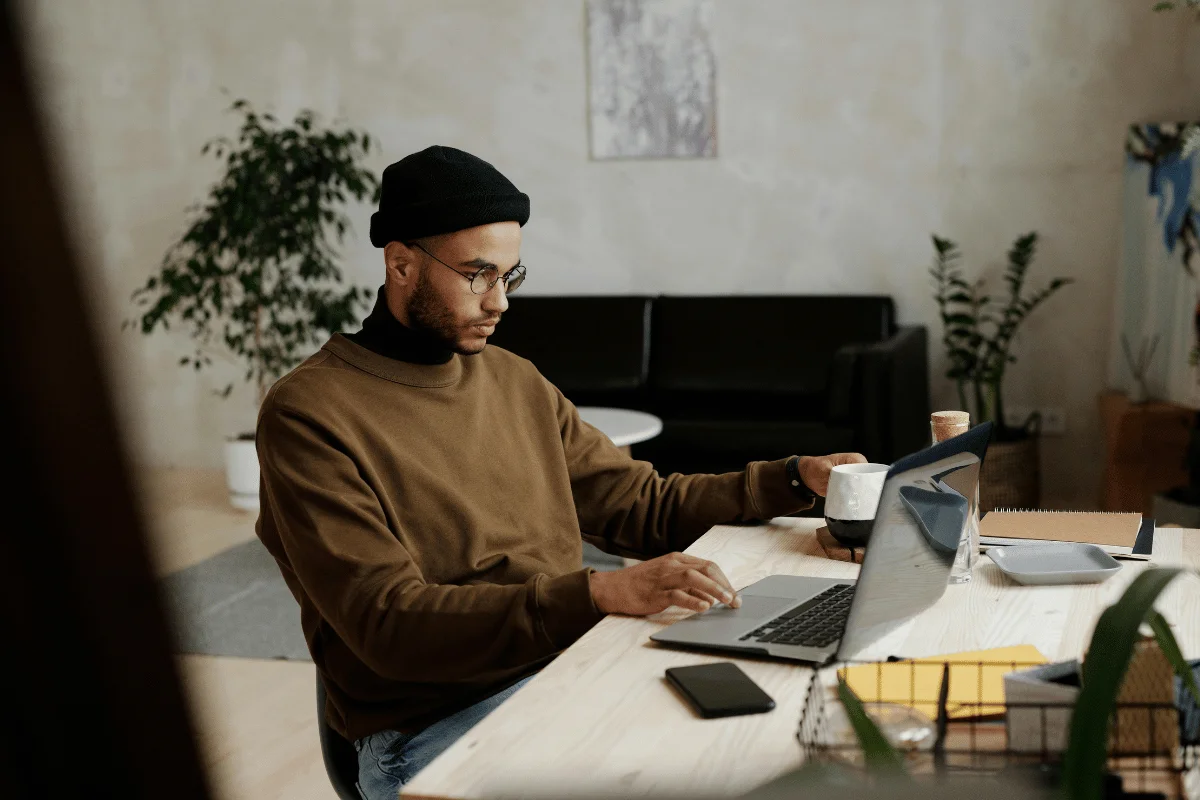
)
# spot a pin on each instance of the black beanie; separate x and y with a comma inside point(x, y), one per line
point(440, 190)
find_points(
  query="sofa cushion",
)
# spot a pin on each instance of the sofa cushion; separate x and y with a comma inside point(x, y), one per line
point(589, 347)
point(725, 405)
point(759, 344)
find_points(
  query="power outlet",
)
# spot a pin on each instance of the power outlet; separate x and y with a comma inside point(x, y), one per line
point(1015, 416)
point(1054, 421)
point(1054, 418)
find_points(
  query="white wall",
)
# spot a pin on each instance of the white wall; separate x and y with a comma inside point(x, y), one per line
point(847, 133)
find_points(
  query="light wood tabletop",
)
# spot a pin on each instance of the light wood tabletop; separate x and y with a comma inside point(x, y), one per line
point(602, 719)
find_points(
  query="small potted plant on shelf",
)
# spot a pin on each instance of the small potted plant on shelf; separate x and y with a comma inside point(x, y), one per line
point(978, 331)
point(254, 277)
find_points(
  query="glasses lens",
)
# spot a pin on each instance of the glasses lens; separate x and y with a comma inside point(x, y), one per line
point(515, 280)
point(483, 281)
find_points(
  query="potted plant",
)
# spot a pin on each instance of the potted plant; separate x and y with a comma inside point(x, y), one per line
point(254, 277)
point(978, 331)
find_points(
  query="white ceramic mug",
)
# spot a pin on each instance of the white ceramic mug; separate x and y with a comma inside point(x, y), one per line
point(852, 500)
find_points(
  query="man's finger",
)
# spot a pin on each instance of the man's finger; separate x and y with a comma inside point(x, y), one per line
point(678, 597)
point(714, 571)
point(694, 579)
point(818, 479)
point(711, 569)
point(717, 574)
point(705, 596)
point(850, 458)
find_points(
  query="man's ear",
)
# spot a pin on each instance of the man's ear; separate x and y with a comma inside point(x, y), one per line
point(400, 262)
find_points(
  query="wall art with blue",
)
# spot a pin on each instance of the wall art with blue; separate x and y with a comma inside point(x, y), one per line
point(1157, 301)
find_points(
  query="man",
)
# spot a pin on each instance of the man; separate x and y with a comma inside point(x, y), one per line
point(427, 496)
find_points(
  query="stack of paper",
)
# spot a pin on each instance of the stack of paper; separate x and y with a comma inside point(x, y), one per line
point(976, 680)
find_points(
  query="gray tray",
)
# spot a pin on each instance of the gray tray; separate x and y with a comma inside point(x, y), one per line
point(1054, 563)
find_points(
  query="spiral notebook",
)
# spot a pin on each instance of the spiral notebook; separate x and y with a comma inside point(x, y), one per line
point(1119, 534)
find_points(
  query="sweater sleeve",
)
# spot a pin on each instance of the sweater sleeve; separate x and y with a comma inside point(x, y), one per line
point(625, 507)
point(366, 585)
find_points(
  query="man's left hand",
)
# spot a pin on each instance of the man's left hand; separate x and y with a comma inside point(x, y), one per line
point(814, 470)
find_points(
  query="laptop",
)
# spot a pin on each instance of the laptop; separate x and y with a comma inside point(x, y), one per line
point(922, 514)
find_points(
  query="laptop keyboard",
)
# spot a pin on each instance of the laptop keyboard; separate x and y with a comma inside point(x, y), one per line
point(817, 622)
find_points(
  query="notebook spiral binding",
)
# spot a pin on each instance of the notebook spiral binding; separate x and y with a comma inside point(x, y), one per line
point(1052, 511)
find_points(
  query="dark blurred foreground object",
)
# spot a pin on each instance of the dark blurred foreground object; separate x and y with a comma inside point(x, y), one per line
point(835, 784)
point(824, 783)
point(93, 705)
point(736, 378)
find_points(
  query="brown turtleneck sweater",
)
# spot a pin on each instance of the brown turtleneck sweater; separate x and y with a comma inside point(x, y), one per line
point(428, 517)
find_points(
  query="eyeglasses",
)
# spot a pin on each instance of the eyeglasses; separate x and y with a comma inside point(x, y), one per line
point(483, 279)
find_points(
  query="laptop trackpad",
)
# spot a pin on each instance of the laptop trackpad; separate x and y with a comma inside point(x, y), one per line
point(723, 621)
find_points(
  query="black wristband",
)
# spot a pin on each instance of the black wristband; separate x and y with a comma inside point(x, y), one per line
point(795, 482)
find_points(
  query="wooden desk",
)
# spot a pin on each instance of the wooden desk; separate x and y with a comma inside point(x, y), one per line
point(601, 718)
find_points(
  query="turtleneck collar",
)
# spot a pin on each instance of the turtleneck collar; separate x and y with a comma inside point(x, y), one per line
point(385, 335)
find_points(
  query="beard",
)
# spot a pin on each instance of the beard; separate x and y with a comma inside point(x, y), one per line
point(429, 315)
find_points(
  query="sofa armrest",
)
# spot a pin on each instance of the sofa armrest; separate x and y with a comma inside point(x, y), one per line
point(895, 394)
point(883, 391)
point(842, 396)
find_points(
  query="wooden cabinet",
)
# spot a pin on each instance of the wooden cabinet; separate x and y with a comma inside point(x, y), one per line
point(1145, 446)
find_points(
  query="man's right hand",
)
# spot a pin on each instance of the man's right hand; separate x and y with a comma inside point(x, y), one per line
point(652, 586)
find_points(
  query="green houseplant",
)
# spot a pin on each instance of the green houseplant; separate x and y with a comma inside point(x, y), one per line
point(978, 333)
point(254, 277)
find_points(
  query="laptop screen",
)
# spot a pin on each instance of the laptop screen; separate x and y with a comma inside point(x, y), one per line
point(922, 513)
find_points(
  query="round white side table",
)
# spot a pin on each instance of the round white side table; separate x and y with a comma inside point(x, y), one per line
point(624, 426)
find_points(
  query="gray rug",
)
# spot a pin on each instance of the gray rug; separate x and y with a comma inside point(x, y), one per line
point(236, 604)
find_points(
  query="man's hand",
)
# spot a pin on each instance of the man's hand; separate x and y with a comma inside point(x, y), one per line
point(814, 470)
point(671, 580)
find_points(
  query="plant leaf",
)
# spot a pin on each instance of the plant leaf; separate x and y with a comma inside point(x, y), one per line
point(257, 268)
point(1108, 657)
point(881, 757)
point(943, 246)
point(1170, 647)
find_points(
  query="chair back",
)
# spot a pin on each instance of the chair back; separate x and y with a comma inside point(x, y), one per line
point(341, 759)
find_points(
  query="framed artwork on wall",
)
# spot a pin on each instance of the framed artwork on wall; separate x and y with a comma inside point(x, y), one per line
point(652, 79)
point(1156, 326)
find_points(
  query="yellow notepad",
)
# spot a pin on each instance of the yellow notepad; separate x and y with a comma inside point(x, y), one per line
point(976, 680)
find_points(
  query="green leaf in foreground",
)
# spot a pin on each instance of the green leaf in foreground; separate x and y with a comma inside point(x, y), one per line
point(1108, 657)
point(881, 758)
point(1170, 648)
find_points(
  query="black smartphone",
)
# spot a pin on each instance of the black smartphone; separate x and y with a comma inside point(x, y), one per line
point(719, 690)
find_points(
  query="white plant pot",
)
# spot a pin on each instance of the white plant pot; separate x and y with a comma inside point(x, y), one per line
point(241, 473)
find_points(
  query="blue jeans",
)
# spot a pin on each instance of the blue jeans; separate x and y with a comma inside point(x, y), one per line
point(389, 759)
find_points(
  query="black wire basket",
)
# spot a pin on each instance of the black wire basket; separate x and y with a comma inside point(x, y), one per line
point(948, 718)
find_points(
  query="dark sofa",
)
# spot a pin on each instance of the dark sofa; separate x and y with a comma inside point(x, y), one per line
point(736, 378)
